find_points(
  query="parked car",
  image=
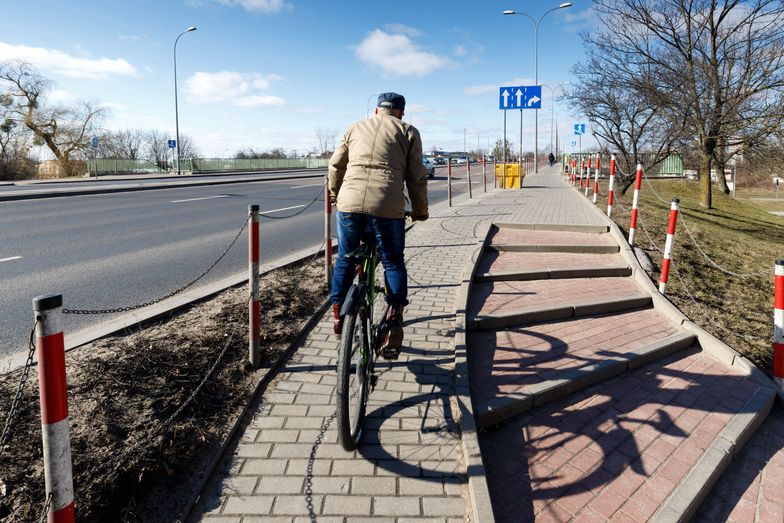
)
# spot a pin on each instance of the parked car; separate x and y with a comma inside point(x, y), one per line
point(429, 167)
point(462, 160)
point(439, 160)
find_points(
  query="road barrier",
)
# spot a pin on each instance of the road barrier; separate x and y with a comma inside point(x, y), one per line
point(495, 178)
point(588, 174)
point(611, 187)
point(254, 323)
point(778, 324)
point(449, 180)
point(635, 204)
point(665, 270)
point(468, 175)
point(327, 236)
point(50, 351)
point(596, 180)
point(484, 172)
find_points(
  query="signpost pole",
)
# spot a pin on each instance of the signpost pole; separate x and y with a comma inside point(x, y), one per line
point(503, 173)
point(520, 159)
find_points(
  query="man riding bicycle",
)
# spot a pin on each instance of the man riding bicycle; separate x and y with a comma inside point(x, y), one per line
point(376, 159)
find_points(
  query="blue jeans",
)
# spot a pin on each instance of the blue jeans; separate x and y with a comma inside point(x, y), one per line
point(390, 234)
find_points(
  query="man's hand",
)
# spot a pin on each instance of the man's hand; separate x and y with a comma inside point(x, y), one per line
point(419, 217)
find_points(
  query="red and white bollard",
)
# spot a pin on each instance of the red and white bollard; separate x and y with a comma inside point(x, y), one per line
point(635, 202)
point(588, 176)
point(254, 333)
point(484, 172)
point(449, 180)
point(50, 352)
point(582, 169)
point(468, 175)
point(574, 171)
point(596, 179)
point(778, 325)
point(327, 236)
point(495, 174)
point(611, 187)
point(665, 272)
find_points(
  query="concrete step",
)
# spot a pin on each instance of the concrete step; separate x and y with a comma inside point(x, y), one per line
point(549, 264)
point(646, 445)
point(508, 239)
point(514, 370)
point(495, 305)
point(554, 274)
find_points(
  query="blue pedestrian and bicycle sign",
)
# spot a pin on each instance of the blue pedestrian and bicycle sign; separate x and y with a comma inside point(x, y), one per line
point(520, 97)
point(579, 129)
point(172, 144)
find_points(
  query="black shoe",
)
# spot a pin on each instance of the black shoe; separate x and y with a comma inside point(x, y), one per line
point(393, 340)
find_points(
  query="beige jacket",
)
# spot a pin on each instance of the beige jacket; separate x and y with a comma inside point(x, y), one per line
point(374, 161)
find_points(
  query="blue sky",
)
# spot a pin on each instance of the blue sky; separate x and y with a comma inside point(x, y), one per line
point(269, 73)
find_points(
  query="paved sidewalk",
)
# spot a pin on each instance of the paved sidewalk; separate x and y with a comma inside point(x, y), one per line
point(289, 466)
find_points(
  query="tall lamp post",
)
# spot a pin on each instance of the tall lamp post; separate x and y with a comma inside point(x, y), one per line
point(176, 110)
point(536, 69)
point(552, 107)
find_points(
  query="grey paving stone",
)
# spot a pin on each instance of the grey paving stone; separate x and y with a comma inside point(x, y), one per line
point(259, 467)
point(279, 485)
point(441, 506)
point(374, 486)
point(248, 505)
point(295, 505)
point(396, 506)
point(347, 505)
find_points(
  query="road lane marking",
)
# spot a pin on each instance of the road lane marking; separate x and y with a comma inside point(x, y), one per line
point(282, 209)
point(203, 198)
point(11, 258)
point(303, 186)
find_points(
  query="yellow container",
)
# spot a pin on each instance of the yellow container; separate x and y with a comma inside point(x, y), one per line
point(513, 177)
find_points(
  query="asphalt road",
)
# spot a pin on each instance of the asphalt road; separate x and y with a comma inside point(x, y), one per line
point(115, 250)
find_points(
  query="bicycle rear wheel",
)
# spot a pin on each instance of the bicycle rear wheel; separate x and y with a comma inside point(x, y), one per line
point(353, 378)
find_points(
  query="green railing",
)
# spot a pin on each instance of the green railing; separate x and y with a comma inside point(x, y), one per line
point(256, 164)
point(204, 165)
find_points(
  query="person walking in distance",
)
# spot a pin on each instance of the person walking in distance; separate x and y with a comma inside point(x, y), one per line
point(375, 161)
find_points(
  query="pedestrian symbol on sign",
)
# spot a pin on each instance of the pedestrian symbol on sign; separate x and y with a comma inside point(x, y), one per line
point(172, 144)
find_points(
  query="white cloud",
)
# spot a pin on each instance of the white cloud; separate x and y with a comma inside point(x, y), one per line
point(586, 19)
point(65, 64)
point(239, 89)
point(259, 101)
point(58, 95)
point(127, 38)
point(397, 55)
point(402, 29)
point(261, 6)
point(460, 50)
point(113, 105)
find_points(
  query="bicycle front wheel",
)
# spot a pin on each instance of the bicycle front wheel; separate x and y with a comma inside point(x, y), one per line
point(353, 378)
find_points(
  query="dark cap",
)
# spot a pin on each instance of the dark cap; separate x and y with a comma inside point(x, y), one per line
point(391, 101)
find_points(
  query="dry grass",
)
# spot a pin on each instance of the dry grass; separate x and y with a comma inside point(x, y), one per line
point(736, 235)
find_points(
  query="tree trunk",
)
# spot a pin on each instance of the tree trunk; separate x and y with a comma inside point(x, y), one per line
point(705, 180)
point(720, 165)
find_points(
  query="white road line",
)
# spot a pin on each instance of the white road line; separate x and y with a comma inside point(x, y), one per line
point(303, 186)
point(282, 209)
point(203, 198)
point(11, 258)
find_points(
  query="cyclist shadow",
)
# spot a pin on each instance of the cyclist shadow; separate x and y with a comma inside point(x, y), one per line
point(417, 435)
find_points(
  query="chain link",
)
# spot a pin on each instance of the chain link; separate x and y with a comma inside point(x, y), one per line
point(116, 460)
point(45, 512)
point(171, 294)
point(311, 461)
point(22, 380)
point(318, 195)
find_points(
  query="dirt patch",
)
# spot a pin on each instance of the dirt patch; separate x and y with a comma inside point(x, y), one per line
point(148, 408)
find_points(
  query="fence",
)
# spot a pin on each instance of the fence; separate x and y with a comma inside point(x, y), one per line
point(203, 165)
point(672, 166)
point(46, 341)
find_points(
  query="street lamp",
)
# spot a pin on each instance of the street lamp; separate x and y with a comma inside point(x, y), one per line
point(536, 69)
point(176, 111)
point(552, 106)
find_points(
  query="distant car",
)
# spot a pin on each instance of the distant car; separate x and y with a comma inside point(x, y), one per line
point(462, 160)
point(439, 160)
point(429, 167)
point(490, 158)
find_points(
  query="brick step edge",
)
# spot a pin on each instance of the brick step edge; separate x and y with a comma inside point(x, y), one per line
point(580, 249)
point(683, 503)
point(559, 312)
point(502, 408)
point(598, 229)
point(556, 274)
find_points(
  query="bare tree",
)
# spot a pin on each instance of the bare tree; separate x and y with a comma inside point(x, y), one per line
point(65, 130)
point(717, 65)
point(188, 148)
point(326, 139)
point(156, 147)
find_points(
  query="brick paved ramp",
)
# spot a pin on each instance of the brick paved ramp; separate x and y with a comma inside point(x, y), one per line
point(597, 401)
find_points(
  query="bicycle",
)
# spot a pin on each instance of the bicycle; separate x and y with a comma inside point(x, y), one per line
point(360, 345)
